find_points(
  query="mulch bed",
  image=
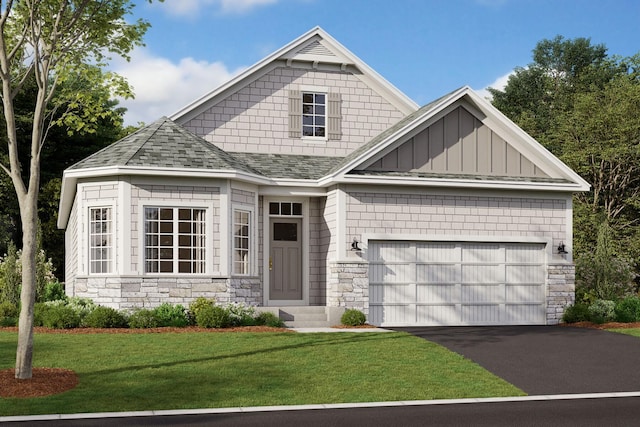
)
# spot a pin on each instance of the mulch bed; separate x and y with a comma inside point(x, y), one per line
point(41, 330)
point(43, 382)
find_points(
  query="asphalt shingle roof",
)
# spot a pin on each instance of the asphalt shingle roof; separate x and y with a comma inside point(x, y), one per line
point(288, 165)
point(163, 144)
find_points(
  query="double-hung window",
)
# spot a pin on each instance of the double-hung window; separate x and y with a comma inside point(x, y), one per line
point(314, 114)
point(175, 240)
point(241, 242)
point(100, 240)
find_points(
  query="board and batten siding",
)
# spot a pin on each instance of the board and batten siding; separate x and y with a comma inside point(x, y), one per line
point(458, 143)
point(256, 118)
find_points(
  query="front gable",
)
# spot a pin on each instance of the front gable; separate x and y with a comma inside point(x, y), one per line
point(457, 143)
point(458, 140)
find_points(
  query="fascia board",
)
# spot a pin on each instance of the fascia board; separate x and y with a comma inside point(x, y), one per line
point(67, 195)
point(459, 183)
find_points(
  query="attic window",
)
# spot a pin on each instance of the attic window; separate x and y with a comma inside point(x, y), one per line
point(313, 114)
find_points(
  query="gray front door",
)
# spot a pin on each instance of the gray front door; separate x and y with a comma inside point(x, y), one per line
point(285, 261)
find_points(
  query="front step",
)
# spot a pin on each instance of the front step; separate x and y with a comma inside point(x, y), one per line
point(307, 316)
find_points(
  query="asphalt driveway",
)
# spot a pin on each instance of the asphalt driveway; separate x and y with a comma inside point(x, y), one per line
point(544, 360)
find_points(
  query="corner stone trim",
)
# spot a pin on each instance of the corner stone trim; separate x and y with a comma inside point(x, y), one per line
point(348, 284)
point(561, 286)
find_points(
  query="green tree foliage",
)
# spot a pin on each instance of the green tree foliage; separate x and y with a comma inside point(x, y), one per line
point(63, 45)
point(584, 106)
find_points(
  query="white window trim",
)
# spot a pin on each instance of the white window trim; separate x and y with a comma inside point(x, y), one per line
point(87, 249)
point(253, 250)
point(319, 90)
point(153, 203)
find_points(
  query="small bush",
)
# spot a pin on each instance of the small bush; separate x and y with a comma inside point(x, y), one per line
point(8, 314)
point(60, 317)
point(143, 318)
point(81, 306)
point(53, 291)
point(171, 315)
point(105, 317)
point(628, 310)
point(241, 314)
point(266, 318)
point(602, 311)
point(196, 306)
point(353, 317)
point(212, 316)
point(578, 312)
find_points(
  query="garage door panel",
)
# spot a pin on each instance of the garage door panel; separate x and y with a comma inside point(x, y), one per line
point(481, 314)
point(482, 273)
point(482, 293)
point(438, 273)
point(446, 314)
point(438, 294)
point(437, 252)
point(523, 314)
point(392, 251)
point(393, 314)
point(524, 274)
point(392, 294)
point(524, 293)
point(482, 253)
point(392, 273)
point(524, 253)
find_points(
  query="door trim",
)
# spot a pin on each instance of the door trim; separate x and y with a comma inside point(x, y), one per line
point(266, 239)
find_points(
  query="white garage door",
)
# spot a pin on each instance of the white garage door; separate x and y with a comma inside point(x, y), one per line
point(456, 283)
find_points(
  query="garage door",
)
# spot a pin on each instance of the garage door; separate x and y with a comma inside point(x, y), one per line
point(456, 283)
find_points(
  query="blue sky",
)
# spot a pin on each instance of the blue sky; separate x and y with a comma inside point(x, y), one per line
point(425, 48)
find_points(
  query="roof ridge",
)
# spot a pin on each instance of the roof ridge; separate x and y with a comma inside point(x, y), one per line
point(158, 123)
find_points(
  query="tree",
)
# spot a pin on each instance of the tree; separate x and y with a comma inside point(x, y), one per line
point(58, 43)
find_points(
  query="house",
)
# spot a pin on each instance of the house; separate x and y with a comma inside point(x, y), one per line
point(310, 181)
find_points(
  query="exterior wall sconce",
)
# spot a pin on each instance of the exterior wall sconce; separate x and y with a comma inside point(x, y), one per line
point(354, 245)
point(562, 249)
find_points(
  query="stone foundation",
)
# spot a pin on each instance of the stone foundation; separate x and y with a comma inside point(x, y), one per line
point(149, 292)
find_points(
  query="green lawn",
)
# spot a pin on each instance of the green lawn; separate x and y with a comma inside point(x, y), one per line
point(129, 372)
point(629, 331)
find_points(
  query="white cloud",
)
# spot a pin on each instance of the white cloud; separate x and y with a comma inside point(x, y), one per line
point(162, 87)
point(193, 8)
point(498, 83)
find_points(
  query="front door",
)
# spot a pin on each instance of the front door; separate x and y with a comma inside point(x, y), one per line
point(285, 260)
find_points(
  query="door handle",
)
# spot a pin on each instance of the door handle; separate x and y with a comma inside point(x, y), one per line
point(270, 264)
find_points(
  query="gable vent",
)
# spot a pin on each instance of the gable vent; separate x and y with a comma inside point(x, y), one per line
point(315, 48)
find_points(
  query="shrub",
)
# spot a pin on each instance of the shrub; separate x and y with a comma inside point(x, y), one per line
point(171, 315)
point(81, 306)
point(10, 275)
point(8, 313)
point(353, 317)
point(53, 291)
point(212, 316)
point(602, 311)
point(241, 314)
point(628, 309)
point(60, 317)
point(578, 312)
point(267, 318)
point(105, 317)
point(196, 306)
point(143, 318)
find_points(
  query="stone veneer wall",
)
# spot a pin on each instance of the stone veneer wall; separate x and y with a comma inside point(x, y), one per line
point(134, 292)
point(561, 279)
point(348, 284)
